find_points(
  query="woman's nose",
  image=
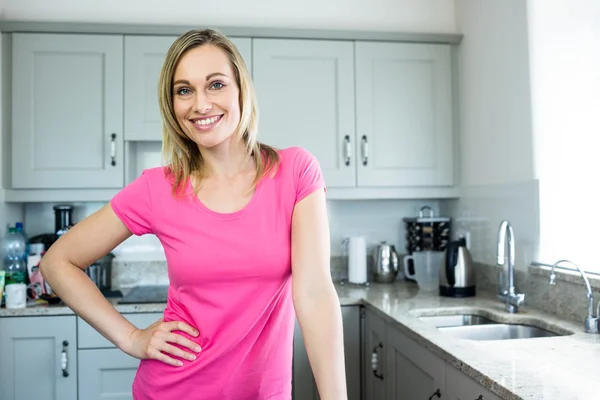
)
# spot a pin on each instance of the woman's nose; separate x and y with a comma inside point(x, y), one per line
point(203, 105)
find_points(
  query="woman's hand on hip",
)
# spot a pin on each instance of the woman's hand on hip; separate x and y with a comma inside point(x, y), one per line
point(155, 342)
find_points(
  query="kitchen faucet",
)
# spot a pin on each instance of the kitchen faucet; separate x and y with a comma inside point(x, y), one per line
point(513, 300)
point(592, 323)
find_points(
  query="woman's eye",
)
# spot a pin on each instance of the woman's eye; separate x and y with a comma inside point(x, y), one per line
point(217, 86)
point(183, 91)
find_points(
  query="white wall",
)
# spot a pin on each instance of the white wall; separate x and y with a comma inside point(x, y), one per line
point(380, 15)
point(495, 101)
point(497, 168)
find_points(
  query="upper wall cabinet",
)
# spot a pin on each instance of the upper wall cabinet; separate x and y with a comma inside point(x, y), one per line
point(305, 91)
point(144, 57)
point(67, 111)
point(404, 114)
point(375, 115)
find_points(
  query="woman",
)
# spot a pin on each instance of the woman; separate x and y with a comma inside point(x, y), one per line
point(245, 232)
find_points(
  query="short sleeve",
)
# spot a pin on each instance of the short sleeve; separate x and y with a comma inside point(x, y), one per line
point(133, 205)
point(307, 174)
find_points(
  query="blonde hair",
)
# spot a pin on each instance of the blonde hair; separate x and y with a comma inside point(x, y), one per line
point(180, 152)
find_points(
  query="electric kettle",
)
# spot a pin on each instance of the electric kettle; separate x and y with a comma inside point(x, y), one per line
point(457, 272)
point(385, 266)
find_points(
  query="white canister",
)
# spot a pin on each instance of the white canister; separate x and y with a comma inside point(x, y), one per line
point(16, 295)
point(357, 260)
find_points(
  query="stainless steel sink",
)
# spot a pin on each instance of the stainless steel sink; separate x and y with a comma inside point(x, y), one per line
point(456, 320)
point(497, 331)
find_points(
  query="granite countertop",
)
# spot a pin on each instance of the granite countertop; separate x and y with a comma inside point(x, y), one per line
point(557, 368)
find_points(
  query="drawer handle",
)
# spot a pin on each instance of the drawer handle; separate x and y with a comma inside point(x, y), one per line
point(347, 149)
point(375, 361)
point(113, 149)
point(64, 359)
point(437, 394)
point(365, 150)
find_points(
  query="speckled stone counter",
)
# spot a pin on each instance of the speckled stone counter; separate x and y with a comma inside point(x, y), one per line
point(549, 368)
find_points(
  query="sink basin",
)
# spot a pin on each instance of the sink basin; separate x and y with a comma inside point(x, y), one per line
point(456, 320)
point(497, 331)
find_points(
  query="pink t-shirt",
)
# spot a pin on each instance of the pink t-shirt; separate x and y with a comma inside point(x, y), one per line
point(230, 277)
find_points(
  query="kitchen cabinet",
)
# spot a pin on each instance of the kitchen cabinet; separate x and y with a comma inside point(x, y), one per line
point(106, 373)
point(396, 366)
point(375, 115)
point(304, 386)
point(305, 91)
point(404, 134)
point(67, 111)
point(38, 358)
point(461, 387)
point(104, 370)
point(413, 371)
point(144, 57)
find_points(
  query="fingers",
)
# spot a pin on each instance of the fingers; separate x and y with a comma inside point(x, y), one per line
point(181, 326)
point(160, 349)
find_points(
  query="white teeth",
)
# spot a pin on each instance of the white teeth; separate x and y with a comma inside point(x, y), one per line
point(207, 121)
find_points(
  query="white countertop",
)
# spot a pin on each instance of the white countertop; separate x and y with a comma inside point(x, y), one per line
point(555, 368)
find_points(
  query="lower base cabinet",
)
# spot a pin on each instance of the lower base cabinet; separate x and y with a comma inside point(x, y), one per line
point(106, 374)
point(396, 367)
point(461, 387)
point(304, 386)
point(38, 358)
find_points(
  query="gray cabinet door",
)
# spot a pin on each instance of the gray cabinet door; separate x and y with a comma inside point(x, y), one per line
point(413, 372)
point(304, 385)
point(144, 58)
point(106, 374)
point(404, 115)
point(67, 111)
point(305, 91)
point(375, 353)
point(34, 353)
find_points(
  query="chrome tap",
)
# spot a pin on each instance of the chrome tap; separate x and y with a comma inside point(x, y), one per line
point(513, 300)
point(592, 323)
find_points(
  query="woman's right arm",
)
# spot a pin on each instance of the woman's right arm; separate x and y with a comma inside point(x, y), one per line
point(62, 267)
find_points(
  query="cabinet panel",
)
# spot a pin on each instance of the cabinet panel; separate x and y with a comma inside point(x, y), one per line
point(67, 121)
point(106, 373)
point(305, 91)
point(461, 387)
point(31, 350)
point(375, 353)
point(404, 114)
point(414, 372)
point(144, 58)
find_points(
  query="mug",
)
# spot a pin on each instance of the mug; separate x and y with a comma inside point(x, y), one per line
point(427, 268)
point(16, 296)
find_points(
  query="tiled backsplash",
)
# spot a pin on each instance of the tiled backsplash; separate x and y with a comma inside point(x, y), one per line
point(378, 220)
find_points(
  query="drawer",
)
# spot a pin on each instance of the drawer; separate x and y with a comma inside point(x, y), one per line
point(89, 338)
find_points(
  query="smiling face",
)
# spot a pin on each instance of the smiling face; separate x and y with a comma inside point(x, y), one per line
point(206, 96)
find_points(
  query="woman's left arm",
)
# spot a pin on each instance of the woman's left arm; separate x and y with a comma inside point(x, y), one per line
point(315, 299)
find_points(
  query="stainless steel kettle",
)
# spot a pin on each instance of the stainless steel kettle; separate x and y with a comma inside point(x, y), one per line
point(457, 274)
point(385, 266)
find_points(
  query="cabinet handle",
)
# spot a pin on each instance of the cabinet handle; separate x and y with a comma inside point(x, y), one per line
point(64, 359)
point(365, 150)
point(480, 397)
point(347, 149)
point(113, 149)
point(437, 394)
point(375, 362)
